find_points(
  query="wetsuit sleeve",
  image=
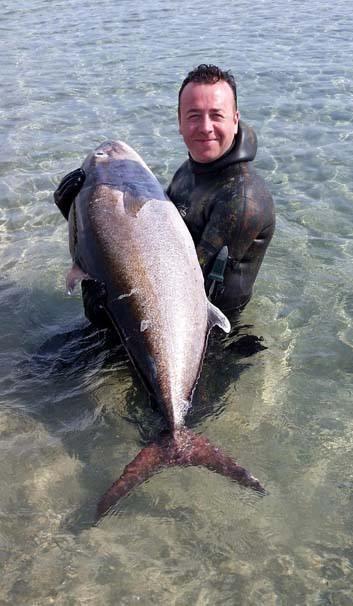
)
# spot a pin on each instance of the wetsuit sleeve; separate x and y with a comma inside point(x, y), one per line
point(245, 228)
point(247, 237)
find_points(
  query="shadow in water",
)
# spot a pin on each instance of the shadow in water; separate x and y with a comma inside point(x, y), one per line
point(227, 357)
point(71, 351)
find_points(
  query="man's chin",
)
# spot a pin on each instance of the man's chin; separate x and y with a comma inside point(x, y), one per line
point(205, 158)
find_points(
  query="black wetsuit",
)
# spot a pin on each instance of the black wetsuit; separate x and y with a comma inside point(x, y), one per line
point(225, 203)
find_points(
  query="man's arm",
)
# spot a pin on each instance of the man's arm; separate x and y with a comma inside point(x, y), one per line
point(247, 232)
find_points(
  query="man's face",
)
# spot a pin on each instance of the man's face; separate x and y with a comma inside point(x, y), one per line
point(208, 119)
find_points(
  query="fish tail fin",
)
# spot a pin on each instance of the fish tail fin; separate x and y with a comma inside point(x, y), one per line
point(148, 462)
point(183, 448)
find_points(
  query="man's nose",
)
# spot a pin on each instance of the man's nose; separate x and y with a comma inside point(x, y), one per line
point(206, 124)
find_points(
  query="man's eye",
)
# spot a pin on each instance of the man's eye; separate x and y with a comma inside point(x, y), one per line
point(217, 117)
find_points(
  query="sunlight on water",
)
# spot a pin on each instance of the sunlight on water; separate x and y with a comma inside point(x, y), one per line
point(73, 415)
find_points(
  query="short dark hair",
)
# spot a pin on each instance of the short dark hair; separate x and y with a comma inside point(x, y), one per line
point(209, 74)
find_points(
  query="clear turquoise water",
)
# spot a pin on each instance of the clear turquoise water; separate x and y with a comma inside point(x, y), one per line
point(72, 75)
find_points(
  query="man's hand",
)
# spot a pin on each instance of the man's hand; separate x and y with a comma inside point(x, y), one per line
point(68, 189)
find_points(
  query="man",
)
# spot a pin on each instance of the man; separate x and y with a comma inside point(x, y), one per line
point(224, 203)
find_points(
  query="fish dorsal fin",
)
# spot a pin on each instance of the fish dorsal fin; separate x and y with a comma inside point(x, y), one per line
point(133, 202)
point(217, 318)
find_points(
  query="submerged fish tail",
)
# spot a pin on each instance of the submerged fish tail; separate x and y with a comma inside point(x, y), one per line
point(184, 448)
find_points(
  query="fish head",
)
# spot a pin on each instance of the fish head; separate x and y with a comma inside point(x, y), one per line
point(116, 164)
point(110, 151)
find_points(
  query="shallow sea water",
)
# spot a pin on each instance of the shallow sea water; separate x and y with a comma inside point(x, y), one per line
point(71, 413)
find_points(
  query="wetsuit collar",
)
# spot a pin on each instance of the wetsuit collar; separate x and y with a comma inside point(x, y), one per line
point(244, 149)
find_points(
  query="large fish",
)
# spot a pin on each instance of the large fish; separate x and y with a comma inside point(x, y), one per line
point(126, 233)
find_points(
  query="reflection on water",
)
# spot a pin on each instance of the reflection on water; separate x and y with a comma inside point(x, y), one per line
point(71, 412)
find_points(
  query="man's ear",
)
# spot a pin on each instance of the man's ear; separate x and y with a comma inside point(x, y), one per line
point(236, 121)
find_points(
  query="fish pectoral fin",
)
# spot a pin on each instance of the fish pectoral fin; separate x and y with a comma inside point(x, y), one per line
point(133, 202)
point(182, 448)
point(217, 318)
point(75, 275)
